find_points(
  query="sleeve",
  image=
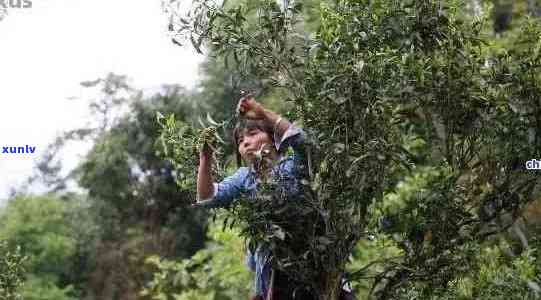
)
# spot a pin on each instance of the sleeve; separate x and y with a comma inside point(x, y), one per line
point(226, 191)
point(293, 137)
point(250, 260)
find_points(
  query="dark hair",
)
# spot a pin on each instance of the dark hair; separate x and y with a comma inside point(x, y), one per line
point(246, 124)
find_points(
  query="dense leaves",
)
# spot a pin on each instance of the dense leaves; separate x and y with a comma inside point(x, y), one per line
point(11, 272)
point(181, 144)
point(216, 272)
point(420, 118)
point(393, 91)
point(43, 229)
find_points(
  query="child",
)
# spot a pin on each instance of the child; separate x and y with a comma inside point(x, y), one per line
point(263, 132)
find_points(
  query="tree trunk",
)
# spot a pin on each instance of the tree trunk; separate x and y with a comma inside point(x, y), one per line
point(330, 288)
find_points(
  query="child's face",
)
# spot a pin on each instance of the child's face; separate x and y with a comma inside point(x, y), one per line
point(251, 141)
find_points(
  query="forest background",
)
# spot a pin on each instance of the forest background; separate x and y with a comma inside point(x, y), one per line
point(447, 208)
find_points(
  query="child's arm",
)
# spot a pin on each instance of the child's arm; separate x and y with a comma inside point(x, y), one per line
point(211, 194)
point(288, 134)
point(274, 120)
point(205, 187)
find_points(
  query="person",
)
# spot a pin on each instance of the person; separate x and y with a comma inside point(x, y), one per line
point(261, 140)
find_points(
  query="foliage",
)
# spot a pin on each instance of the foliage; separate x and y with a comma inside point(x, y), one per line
point(36, 288)
point(368, 259)
point(420, 121)
point(494, 275)
point(132, 206)
point(215, 272)
point(38, 224)
point(142, 212)
point(500, 277)
point(181, 144)
point(12, 269)
point(391, 89)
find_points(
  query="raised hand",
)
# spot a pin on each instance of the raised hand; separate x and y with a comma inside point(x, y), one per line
point(207, 142)
point(250, 109)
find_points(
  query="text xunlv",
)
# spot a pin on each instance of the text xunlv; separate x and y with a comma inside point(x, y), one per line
point(18, 150)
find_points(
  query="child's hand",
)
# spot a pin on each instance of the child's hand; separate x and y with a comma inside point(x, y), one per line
point(206, 152)
point(207, 142)
point(250, 109)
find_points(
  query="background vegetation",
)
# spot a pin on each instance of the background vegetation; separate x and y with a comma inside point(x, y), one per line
point(421, 116)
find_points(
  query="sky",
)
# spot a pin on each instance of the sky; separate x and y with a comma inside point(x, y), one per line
point(48, 49)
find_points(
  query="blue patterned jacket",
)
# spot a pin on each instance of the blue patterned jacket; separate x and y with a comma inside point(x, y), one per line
point(290, 170)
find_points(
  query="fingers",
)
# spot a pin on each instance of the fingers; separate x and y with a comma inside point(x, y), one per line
point(245, 103)
point(240, 107)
